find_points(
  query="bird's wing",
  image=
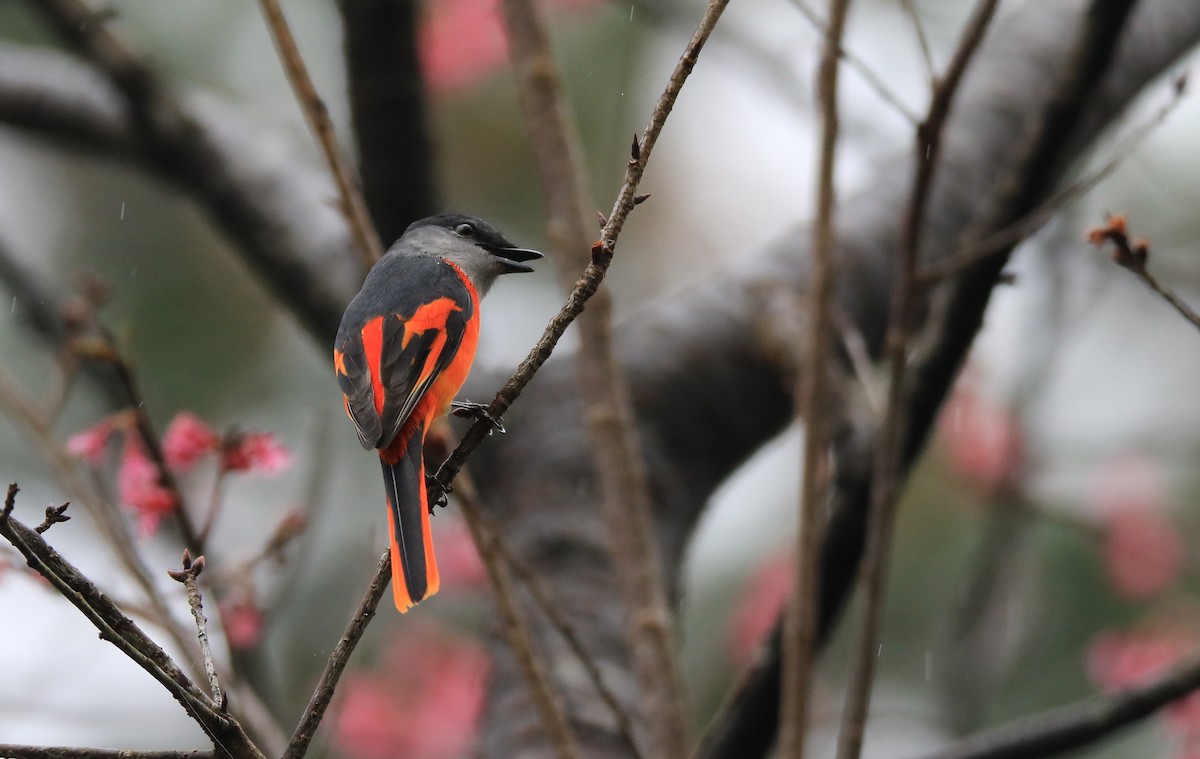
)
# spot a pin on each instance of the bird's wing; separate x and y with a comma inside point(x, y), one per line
point(395, 339)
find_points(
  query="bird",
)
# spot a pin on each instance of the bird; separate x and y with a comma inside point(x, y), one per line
point(402, 352)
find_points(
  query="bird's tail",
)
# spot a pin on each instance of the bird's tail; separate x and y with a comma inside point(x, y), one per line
point(414, 569)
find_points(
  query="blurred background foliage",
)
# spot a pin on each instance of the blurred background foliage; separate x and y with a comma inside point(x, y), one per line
point(1080, 372)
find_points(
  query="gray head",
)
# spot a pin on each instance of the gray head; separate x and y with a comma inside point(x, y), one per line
point(472, 244)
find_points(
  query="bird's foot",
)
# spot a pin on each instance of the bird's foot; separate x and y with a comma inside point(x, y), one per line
point(444, 490)
point(472, 410)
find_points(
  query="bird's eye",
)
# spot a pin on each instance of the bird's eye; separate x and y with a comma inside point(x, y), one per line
point(466, 230)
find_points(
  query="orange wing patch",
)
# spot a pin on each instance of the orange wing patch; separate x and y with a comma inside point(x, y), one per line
point(372, 337)
point(431, 315)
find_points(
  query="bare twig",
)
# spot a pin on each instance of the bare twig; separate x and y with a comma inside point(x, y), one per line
point(1133, 255)
point(873, 80)
point(516, 628)
point(620, 465)
point(54, 515)
point(227, 735)
point(800, 625)
point(187, 575)
point(910, 10)
point(550, 607)
point(888, 460)
point(593, 275)
point(15, 751)
point(352, 204)
point(1035, 219)
point(323, 694)
point(1077, 725)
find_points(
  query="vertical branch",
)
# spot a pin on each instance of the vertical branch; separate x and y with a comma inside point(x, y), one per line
point(352, 204)
point(620, 465)
point(800, 626)
point(516, 629)
point(388, 106)
point(888, 457)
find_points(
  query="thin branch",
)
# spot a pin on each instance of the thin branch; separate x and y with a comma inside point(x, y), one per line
point(1133, 255)
point(191, 570)
point(1078, 725)
point(314, 712)
point(800, 625)
point(551, 608)
point(353, 207)
point(17, 751)
point(593, 275)
point(627, 507)
point(516, 628)
point(1081, 186)
point(873, 80)
point(888, 465)
point(910, 10)
point(226, 734)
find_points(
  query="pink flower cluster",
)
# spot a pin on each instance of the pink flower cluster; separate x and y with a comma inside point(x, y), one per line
point(188, 440)
point(422, 701)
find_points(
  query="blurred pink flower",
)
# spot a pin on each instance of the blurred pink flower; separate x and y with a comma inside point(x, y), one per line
point(1120, 660)
point(422, 701)
point(91, 444)
point(1143, 553)
point(243, 621)
point(255, 452)
point(463, 41)
point(459, 563)
point(766, 592)
point(983, 440)
point(139, 487)
point(187, 440)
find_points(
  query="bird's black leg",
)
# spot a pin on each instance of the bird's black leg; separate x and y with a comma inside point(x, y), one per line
point(444, 490)
point(471, 410)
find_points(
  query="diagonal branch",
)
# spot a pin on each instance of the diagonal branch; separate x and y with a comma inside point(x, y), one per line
point(353, 207)
point(1078, 725)
point(227, 735)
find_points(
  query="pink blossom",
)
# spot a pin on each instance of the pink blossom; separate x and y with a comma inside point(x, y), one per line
point(243, 621)
point(983, 440)
point(140, 488)
point(422, 701)
point(765, 594)
point(1143, 553)
point(187, 440)
point(255, 452)
point(463, 41)
point(91, 444)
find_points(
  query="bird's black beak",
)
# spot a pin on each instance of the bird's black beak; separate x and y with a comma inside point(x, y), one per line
point(513, 259)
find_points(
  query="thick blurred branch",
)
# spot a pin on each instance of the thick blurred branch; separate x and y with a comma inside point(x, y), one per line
point(274, 211)
point(707, 389)
point(387, 102)
point(1078, 725)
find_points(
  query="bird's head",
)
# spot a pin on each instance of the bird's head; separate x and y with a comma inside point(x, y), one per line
point(472, 244)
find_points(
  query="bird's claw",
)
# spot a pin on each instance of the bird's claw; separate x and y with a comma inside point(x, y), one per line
point(444, 490)
point(472, 410)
